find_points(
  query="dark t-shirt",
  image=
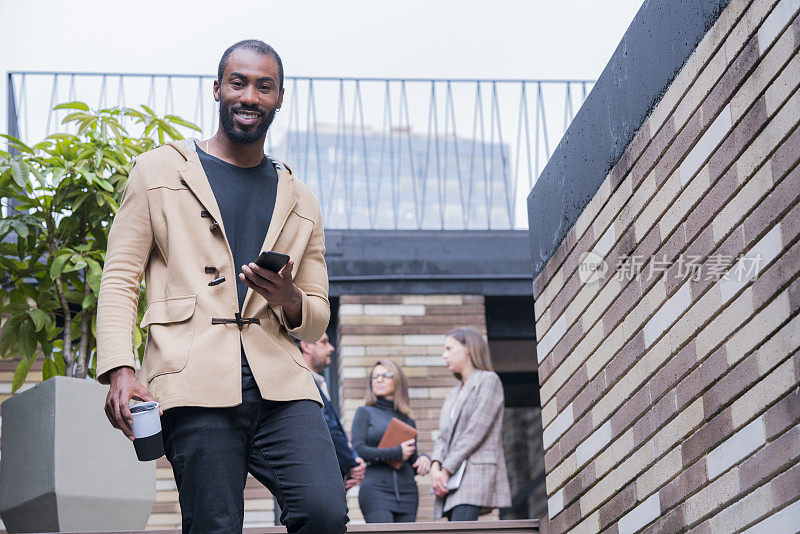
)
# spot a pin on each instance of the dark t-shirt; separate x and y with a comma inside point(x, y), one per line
point(246, 200)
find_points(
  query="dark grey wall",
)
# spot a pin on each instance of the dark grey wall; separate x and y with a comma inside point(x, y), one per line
point(493, 262)
point(658, 42)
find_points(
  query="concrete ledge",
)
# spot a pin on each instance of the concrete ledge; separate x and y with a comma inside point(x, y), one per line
point(385, 262)
point(658, 42)
point(517, 526)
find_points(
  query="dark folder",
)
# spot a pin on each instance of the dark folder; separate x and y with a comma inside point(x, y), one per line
point(396, 433)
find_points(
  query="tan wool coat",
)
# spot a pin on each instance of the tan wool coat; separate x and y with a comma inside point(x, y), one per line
point(168, 230)
point(473, 435)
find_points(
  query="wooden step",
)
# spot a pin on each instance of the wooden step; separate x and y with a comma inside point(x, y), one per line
point(516, 526)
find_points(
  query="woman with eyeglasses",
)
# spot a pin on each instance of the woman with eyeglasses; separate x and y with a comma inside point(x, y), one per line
point(387, 495)
point(469, 446)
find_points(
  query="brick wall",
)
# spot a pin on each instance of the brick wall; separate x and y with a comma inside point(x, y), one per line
point(670, 395)
point(409, 329)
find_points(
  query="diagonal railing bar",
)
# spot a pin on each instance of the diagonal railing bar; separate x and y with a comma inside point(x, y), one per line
point(121, 100)
point(169, 101)
point(568, 107)
point(365, 154)
point(540, 99)
point(339, 148)
point(426, 166)
point(151, 98)
point(475, 115)
point(450, 108)
point(492, 168)
point(293, 120)
point(199, 115)
point(101, 102)
point(315, 129)
point(484, 170)
point(410, 153)
point(53, 102)
point(503, 157)
point(413, 170)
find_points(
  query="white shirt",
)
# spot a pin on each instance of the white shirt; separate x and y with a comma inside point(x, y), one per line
point(320, 380)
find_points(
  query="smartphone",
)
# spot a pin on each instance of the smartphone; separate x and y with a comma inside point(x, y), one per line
point(274, 261)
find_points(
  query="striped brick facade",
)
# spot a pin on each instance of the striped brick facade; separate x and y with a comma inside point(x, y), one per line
point(670, 397)
point(410, 330)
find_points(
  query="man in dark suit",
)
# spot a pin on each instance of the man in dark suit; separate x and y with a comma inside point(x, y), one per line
point(318, 358)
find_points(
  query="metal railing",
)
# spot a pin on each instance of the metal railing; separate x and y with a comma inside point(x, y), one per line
point(380, 153)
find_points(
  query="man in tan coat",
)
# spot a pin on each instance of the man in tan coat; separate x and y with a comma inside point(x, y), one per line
point(236, 394)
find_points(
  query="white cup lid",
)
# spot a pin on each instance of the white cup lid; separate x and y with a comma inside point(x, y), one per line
point(146, 421)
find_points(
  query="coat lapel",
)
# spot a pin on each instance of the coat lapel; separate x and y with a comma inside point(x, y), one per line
point(460, 400)
point(196, 180)
point(285, 201)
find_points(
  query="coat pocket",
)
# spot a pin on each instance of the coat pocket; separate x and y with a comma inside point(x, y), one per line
point(169, 335)
point(483, 457)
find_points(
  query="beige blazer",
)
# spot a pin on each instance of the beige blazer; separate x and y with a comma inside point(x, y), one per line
point(163, 232)
point(473, 435)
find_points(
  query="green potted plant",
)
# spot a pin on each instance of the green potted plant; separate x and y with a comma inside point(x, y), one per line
point(63, 465)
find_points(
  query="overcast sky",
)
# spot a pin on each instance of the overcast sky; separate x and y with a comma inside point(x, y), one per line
point(413, 38)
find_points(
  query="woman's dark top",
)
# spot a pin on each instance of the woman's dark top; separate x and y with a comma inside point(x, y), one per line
point(383, 488)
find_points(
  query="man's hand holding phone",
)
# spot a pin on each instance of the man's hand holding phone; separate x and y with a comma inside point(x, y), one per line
point(277, 287)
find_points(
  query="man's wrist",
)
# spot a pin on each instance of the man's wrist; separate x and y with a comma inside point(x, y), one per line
point(118, 372)
point(293, 310)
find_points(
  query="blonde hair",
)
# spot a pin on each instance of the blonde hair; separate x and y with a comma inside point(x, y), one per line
point(402, 402)
point(477, 348)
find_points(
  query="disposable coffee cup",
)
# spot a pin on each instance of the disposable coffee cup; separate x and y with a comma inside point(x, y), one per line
point(147, 431)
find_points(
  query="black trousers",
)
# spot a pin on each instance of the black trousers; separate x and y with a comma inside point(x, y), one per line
point(285, 445)
point(463, 512)
point(387, 516)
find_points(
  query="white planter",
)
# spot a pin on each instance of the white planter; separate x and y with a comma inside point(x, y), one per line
point(63, 467)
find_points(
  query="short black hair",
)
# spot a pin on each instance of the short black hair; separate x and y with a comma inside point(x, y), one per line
point(254, 45)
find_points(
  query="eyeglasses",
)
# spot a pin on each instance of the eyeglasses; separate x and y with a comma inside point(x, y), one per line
point(386, 375)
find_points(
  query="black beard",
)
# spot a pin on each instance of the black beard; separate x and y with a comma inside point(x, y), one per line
point(240, 136)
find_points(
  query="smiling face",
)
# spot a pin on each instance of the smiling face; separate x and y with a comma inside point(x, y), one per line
point(382, 385)
point(248, 95)
point(456, 356)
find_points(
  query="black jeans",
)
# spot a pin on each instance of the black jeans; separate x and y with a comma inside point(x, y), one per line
point(387, 516)
point(463, 512)
point(285, 445)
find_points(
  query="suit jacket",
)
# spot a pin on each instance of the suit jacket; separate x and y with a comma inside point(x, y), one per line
point(474, 435)
point(345, 455)
point(168, 230)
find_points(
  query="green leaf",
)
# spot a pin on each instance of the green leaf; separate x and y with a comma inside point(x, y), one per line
point(9, 338)
point(13, 142)
point(83, 118)
point(46, 346)
point(49, 369)
point(104, 184)
point(76, 263)
point(89, 301)
point(58, 265)
point(61, 366)
point(73, 105)
point(177, 120)
point(40, 318)
point(94, 275)
point(21, 372)
point(26, 340)
point(20, 172)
